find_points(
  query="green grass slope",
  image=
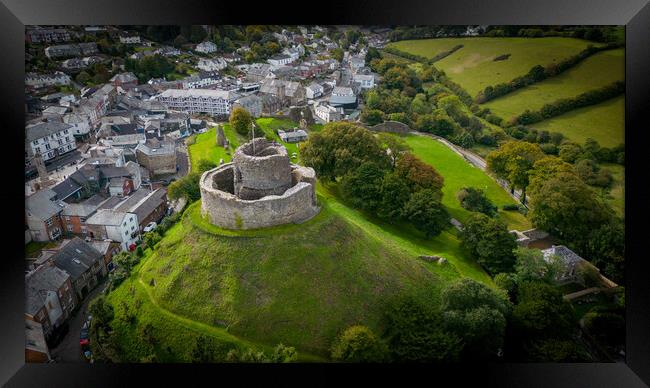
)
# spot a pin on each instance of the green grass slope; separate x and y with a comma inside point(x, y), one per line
point(205, 146)
point(599, 70)
point(604, 122)
point(473, 67)
point(296, 284)
point(458, 173)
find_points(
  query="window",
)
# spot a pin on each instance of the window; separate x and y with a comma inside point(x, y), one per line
point(65, 131)
point(47, 146)
point(35, 142)
point(70, 228)
point(126, 232)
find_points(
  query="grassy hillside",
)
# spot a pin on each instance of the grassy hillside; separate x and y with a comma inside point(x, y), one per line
point(260, 288)
point(473, 66)
point(458, 173)
point(205, 146)
point(599, 70)
point(604, 122)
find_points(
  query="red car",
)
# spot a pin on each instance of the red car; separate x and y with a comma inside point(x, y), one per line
point(84, 338)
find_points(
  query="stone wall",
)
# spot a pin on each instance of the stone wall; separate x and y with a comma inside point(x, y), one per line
point(224, 209)
point(157, 164)
point(392, 127)
point(264, 171)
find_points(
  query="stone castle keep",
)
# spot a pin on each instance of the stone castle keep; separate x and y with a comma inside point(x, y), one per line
point(259, 188)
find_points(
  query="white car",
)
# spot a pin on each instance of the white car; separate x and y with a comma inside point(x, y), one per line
point(150, 226)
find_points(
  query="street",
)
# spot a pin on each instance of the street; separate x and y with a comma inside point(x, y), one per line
point(69, 350)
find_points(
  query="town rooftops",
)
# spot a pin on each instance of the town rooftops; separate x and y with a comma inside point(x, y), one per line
point(124, 78)
point(199, 93)
point(143, 202)
point(43, 205)
point(85, 208)
point(34, 338)
point(292, 136)
point(107, 217)
point(44, 129)
point(38, 282)
point(76, 257)
point(156, 147)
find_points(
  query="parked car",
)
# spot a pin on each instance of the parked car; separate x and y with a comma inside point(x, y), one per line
point(84, 337)
point(150, 226)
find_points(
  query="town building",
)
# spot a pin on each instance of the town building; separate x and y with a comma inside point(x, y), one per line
point(43, 212)
point(289, 92)
point(82, 262)
point(36, 349)
point(328, 113)
point(124, 80)
point(211, 101)
point(50, 287)
point(71, 50)
point(343, 96)
point(49, 139)
point(206, 47)
point(256, 72)
point(280, 60)
point(293, 136)
point(314, 90)
point(43, 80)
point(127, 38)
point(149, 206)
point(212, 64)
point(47, 35)
point(117, 226)
point(157, 157)
point(366, 81)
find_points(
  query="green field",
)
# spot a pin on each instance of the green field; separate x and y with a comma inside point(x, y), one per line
point(599, 70)
point(458, 173)
point(473, 67)
point(604, 122)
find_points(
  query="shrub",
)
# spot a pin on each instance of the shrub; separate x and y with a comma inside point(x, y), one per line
point(474, 199)
point(359, 344)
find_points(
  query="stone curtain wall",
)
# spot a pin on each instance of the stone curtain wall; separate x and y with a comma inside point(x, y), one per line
point(392, 127)
point(266, 173)
point(224, 209)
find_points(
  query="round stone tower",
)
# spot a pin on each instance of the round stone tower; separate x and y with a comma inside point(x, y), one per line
point(259, 188)
point(261, 168)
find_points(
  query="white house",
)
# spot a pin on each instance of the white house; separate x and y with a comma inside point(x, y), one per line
point(212, 64)
point(129, 39)
point(314, 90)
point(206, 47)
point(80, 123)
point(366, 81)
point(118, 226)
point(280, 60)
point(49, 139)
point(328, 113)
point(42, 80)
point(211, 101)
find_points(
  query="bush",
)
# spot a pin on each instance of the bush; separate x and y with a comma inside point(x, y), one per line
point(359, 344)
point(475, 200)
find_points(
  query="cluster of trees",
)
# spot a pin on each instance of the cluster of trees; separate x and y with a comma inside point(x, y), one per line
point(489, 242)
point(95, 74)
point(241, 120)
point(439, 109)
point(475, 200)
point(563, 203)
point(593, 33)
point(188, 186)
point(395, 185)
point(539, 73)
point(424, 32)
point(564, 105)
point(152, 66)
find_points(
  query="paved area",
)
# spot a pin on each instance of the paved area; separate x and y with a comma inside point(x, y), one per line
point(69, 350)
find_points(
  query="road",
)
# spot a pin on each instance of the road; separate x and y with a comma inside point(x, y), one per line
point(69, 350)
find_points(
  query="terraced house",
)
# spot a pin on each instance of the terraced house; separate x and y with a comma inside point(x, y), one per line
point(210, 101)
point(49, 140)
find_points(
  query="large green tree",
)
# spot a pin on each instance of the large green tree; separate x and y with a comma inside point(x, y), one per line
point(362, 187)
point(241, 120)
point(342, 147)
point(425, 211)
point(513, 162)
point(489, 241)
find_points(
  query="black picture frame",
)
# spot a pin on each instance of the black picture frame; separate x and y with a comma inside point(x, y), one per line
point(634, 14)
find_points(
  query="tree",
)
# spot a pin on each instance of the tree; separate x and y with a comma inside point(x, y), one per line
point(284, 354)
point(241, 120)
point(566, 207)
point(359, 344)
point(395, 193)
point(83, 77)
point(151, 239)
point(337, 54)
point(506, 282)
point(418, 175)
point(342, 147)
point(415, 333)
point(139, 251)
point(556, 350)
point(490, 242)
point(101, 311)
point(206, 165)
point(393, 145)
point(372, 116)
point(513, 161)
point(425, 211)
point(187, 186)
point(606, 326)
point(362, 187)
point(474, 199)
point(531, 265)
point(542, 313)
point(372, 54)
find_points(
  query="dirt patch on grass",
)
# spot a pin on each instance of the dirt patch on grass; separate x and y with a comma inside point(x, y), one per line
point(472, 60)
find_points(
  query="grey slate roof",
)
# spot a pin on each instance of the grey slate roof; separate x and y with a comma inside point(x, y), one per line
point(42, 205)
point(143, 202)
point(76, 257)
point(43, 278)
point(106, 217)
point(567, 255)
point(66, 188)
point(44, 129)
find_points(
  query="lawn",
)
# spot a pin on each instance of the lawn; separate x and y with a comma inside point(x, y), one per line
point(473, 66)
point(458, 173)
point(205, 146)
point(604, 122)
point(34, 248)
point(599, 70)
